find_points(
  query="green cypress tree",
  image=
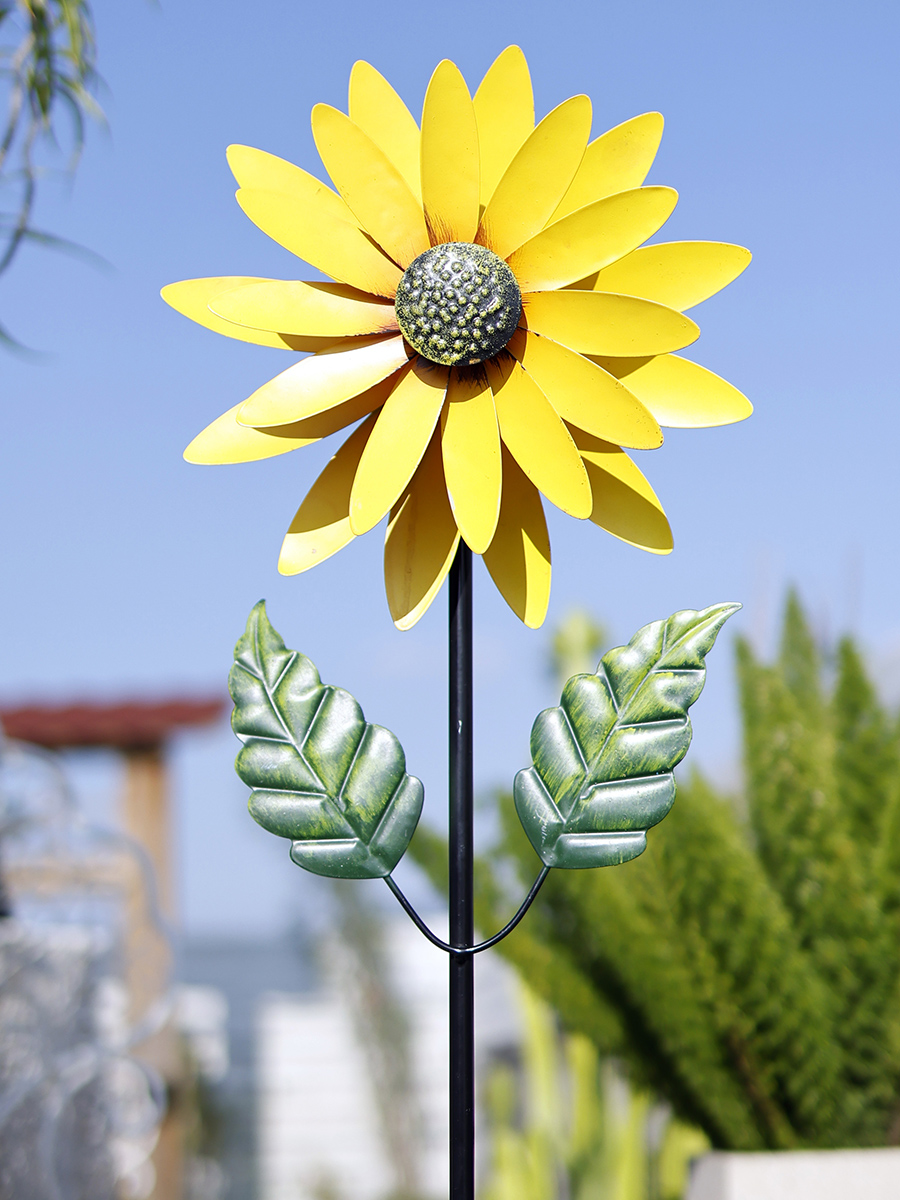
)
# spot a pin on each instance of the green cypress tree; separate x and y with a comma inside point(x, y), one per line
point(747, 966)
point(867, 752)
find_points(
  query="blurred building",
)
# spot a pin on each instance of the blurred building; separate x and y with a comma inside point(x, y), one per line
point(97, 906)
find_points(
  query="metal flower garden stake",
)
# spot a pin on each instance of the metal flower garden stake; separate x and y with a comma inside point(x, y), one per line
point(496, 331)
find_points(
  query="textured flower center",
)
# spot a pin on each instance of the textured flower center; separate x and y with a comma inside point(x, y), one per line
point(458, 303)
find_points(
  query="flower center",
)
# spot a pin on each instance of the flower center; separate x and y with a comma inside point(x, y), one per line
point(458, 303)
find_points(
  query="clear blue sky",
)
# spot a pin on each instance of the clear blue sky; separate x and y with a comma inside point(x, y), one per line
point(127, 571)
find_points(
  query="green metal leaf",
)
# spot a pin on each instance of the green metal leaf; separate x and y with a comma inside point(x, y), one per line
point(603, 760)
point(321, 776)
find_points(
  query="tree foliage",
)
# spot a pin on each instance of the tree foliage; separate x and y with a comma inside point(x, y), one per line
point(747, 966)
point(49, 71)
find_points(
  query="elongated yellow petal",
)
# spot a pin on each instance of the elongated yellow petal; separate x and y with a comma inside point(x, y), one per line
point(319, 309)
point(421, 541)
point(536, 437)
point(257, 171)
point(323, 380)
point(537, 177)
point(518, 558)
point(227, 441)
point(680, 393)
point(450, 168)
point(397, 443)
point(192, 297)
point(504, 109)
point(616, 161)
point(679, 274)
point(625, 504)
point(321, 525)
point(370, 183)
point(470, 444)
point(378, 111)
point(316, 235)
point(607, 323)
point(584, 394)
point(590, 238)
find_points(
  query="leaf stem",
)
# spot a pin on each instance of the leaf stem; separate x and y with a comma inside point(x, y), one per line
point(463, 950)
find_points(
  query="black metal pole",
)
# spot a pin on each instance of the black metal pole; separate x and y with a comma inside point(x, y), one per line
point(462, 926)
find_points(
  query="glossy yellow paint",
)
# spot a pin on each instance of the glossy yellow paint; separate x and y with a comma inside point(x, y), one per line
point(370, 183)
point(398, 442)
point(450, 165)
point(378, 111)
point(311, 309)
point(227, 441)
point(258, 171)
point(681, 394)
point(191, 298)
point(679, 274)
point(537, 177)
point(504, 109)
point(616, 161)
point(585, 394)
point(518, 558)
point(321, 525)
point(536, 437)
point(470, 445)
point(323, 380)
point(589, 371)
point(314, 234)
point(607, 323)
point(625, 504)
point(590, 238)
point(420, 543)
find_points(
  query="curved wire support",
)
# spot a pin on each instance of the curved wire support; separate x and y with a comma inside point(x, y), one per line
point(464, 950)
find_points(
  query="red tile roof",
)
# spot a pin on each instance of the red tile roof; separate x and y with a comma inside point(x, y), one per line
point(133, 724)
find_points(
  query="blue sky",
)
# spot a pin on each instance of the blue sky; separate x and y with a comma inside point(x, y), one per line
point(127, 571)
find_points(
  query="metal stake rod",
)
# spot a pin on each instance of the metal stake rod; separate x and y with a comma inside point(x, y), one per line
point(462, 928)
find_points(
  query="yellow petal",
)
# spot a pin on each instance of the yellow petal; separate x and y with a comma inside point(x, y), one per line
point(398, 442)
point(338, 248)
point(519, 556)
point(539, 441)
point(679, 274)
point(680, 393)
point(537, 177)
point(606, 323)
point(625, 504)
point(319, 309)
point(421, 542)
point(192, 297)
point(321, 525)
point(226, 441)
point(584, 394)
point(614, 162)
point(257, 171)
point(370, 183)
point(470, 443)
point(378, 111)
point(592, 237)
point(450, 170)
point(504, 109)
point(323, 380)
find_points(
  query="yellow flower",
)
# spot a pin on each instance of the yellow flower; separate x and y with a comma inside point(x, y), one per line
point(497, 330)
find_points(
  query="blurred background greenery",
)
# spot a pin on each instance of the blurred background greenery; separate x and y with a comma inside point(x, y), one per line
point(743, 972)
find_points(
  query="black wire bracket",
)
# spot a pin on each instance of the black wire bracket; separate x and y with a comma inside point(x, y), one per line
point(468, 950)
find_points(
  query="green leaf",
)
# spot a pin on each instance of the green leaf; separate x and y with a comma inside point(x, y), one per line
point(321, 776)
point(603, 760)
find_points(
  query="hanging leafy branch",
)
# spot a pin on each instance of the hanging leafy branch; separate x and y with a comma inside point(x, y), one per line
point(49, 71)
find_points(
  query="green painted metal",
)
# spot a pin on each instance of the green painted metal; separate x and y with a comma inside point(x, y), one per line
point(603, 760)
point(321, 776)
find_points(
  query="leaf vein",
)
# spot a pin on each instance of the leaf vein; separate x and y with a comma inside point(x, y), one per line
point(270, 696)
